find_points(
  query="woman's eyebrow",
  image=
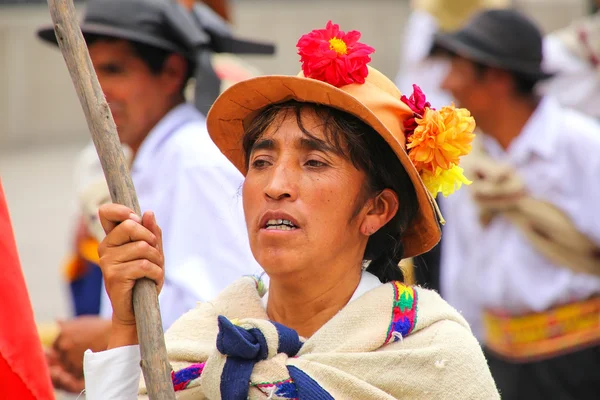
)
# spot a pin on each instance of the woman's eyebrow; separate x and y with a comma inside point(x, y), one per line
point(316, 144)
point(263, 144)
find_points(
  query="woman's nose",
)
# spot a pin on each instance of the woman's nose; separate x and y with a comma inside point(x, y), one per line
point(282, 183)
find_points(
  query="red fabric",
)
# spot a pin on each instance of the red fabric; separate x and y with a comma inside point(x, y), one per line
point(23, 370)
point(13, 386)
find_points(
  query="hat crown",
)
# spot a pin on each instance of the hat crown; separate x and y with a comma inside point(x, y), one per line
point(506, 33)
point(125, 13)
point(137, 20)
point(377, 79)
point(383, 83)
point(381, 96)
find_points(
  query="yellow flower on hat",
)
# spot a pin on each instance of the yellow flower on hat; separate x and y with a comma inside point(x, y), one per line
point(444, 181)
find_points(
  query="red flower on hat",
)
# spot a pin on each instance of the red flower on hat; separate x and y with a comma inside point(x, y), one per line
point(417, 102)
point(335, 57)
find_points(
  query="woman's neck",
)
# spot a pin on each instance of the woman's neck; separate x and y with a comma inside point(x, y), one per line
point(307, 307)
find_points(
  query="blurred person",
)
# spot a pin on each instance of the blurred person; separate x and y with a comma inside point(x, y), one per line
point(81, 268)
point(573, 54)
point(144, 58)
point(418, 67)
point(334, 197)
point(521, 255)
point(429, 17)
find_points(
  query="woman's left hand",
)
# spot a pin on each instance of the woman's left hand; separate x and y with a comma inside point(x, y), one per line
point(131, 250)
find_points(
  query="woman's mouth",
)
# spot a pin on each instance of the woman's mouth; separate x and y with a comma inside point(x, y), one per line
point(280, 225)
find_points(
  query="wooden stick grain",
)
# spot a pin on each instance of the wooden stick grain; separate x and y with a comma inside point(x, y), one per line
point(155, 366)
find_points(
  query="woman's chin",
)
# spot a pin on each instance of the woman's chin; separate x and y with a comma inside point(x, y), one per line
point(279, 263)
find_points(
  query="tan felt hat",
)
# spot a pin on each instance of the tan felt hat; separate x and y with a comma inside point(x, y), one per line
point(376, 102)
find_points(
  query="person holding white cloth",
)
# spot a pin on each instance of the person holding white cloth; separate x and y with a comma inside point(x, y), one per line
point(521, 251)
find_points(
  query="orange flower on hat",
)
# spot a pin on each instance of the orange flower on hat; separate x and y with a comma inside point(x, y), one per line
point(441, 138)
point(438, 141)
point(333, 56)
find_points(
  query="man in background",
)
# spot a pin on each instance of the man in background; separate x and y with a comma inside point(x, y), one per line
point(521, 249)
point(418, 67)
point(144, 61)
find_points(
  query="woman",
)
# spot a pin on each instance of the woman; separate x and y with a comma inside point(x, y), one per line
point(332, 203)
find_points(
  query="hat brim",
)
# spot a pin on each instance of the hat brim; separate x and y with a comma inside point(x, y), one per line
point(235, 109)
point(458, 45)
point(48, 35)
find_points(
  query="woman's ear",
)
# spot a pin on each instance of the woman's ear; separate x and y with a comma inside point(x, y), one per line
point(381, 209)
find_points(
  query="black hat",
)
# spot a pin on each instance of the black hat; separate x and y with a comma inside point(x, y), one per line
point(163, 24)
point(140, 21)
point(498, 38)
point(166, 25)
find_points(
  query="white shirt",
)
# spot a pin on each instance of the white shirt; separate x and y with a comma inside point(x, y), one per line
point(576, 83)
point(195, 192)
point(495, 267)
point(115, 374)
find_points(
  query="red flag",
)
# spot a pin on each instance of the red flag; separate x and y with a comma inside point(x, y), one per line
point(23, 370)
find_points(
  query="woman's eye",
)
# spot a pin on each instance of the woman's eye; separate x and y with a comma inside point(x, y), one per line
point(315, 163)
point(259, 163)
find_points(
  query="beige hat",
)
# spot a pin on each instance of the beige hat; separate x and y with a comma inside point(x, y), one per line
point(370, 96)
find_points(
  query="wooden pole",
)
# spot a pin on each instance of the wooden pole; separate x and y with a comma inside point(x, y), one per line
point(155, 365)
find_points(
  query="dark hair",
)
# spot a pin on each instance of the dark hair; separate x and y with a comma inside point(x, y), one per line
point(152, 56)
point(367, 150)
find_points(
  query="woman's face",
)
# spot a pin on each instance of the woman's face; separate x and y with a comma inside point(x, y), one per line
point(300, 199)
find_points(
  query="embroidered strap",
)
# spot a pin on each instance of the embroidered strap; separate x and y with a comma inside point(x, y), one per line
point(285, 389)
point(184, 377)
point(404, 312)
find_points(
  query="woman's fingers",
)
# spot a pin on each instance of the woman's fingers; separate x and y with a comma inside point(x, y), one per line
point(126, 232)
point(137, 251)
point(149, 221)
point(138, 269)
point(112, 215)
point(119, 280)
point(127, 273)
